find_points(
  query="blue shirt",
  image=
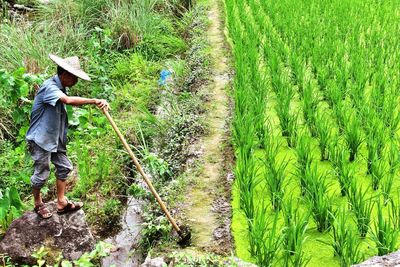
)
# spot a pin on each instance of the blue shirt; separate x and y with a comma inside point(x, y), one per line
point(49, 122)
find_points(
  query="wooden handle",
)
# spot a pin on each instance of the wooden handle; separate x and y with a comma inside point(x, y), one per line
point(139, 168)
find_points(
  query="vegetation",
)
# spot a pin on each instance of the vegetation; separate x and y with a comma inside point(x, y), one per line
point(331, 138)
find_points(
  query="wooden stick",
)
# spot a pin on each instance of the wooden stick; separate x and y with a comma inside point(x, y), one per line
point(139, 168)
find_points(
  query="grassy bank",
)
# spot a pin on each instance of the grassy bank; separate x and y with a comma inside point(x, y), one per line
point(124, 46)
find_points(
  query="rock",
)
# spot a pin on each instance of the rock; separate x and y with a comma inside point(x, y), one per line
point(156, 262)
point(392, 259)
point(240, 263)
point(67, 233)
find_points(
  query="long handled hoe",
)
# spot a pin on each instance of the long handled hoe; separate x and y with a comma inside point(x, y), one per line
point(182, 231)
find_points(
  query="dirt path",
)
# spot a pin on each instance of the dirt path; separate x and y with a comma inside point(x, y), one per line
point(204, 192)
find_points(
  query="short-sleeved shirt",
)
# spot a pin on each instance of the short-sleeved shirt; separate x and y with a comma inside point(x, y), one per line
point(49, 122)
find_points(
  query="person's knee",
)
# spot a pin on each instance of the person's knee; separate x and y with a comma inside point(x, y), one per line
point(41, 173)
point(63, 172)
point(38, 181)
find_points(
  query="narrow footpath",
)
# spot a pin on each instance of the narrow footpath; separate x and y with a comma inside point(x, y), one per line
point(203, 220)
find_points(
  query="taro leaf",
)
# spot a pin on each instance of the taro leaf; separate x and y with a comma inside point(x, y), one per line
point(66, 264)
point(15, 200)
point(24, 89)
point(14, 213)
point(4, 206)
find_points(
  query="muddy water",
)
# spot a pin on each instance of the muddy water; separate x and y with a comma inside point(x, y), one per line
point(126, 242)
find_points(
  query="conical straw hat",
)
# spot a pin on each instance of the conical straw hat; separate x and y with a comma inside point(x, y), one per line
point(70, 64)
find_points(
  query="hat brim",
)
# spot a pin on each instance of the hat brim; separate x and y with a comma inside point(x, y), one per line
point(63, 64)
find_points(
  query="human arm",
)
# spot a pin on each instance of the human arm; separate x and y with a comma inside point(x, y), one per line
point(79, 101)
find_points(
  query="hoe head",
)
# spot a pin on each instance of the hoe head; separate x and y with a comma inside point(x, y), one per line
point(185, 236)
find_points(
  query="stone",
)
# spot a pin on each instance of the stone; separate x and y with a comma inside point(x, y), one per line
point(156, 262)
point(392, 259)
point(67, 233)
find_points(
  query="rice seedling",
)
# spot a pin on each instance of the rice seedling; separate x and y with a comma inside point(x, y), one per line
point(310, 104)
point(340, 233)
point(271, 149)
point(378, 172)
point(284, 97)
point(394, 211)
point(324, 134)
point(387, 184)
point(341, 116)
point(294, 234)
point(304, 160)
point(246, 181)
point(362, 207)
point(320, 203)
point(375, 142)
point(292, 130)
point(393, 157)
point(346, 244)
point(275, 178)
point(353, 136)
point(383, 234)
point(343, 170)
point(265, 237)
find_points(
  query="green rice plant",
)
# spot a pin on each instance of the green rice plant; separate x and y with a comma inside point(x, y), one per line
point(294, 234)
point(265, 237)
point(304, 160)
point(343, 170)
point(310, 104)
point(340, 114)
point(346, 244)
point(393, 157)
point(292, 130)
point(353, 136)
point(246, 181)
point(319, 201)
point(259, 99)
point(324, 133)
point(390, 114)
point(271, 148)
point(383, 233)
point(387, 184)
point(378, 172)
point(362, 207)
point(334, 95)
point(275, 178)
point(284, 97)
point(375, 142)
point(340, 233)
point(394, 210)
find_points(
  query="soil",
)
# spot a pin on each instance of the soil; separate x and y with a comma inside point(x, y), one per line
point(207, 202)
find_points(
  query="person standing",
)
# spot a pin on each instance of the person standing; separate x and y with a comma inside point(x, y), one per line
point(47, 133)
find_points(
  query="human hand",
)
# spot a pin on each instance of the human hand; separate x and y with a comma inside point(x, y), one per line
point(102, 104)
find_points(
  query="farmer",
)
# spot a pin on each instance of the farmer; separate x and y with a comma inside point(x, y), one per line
point(47, 134)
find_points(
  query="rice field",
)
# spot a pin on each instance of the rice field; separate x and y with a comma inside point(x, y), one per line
point(316, 130)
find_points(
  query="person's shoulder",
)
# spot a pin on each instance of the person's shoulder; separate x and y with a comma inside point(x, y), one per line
point(50, 83)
